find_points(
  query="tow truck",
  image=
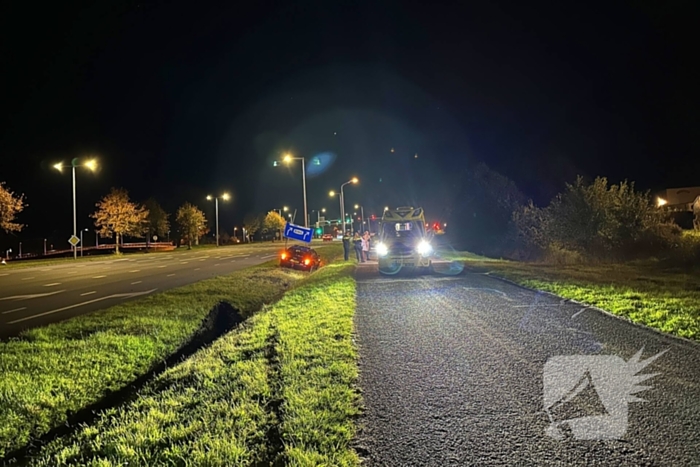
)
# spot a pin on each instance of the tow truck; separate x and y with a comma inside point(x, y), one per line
point(404, 241)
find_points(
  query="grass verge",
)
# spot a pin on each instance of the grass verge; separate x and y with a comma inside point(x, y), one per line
point(54, 371)
point(667, 299)
point(277, 391)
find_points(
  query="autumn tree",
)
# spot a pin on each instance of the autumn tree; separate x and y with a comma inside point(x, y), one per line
point(274, 222)
point(192, 223)
point(10, 206)
point(157, 222)
point(118, 216)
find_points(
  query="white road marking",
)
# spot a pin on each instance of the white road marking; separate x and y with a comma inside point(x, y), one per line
point(88, 293)
point(4, 274)
point(502, 293)
point(27, 278)
point(98, 277)
point(137, 282)
point(536, 305)
point(197, 269)
point(184, 262)
point(164, 266)
point(52, 284)
point(12, 311)
point(245, 256)
point(36, 295)
point(120, 295)
point(217, 264)
point(170, 275)
point(136, 270)
point(203, 259)
point(233, 260)
point(578, 312)
point(262, 257)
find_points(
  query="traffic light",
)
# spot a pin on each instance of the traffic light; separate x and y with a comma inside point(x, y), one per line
point(319, 231)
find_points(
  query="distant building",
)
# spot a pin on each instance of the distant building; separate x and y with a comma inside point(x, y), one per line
point(678, 199)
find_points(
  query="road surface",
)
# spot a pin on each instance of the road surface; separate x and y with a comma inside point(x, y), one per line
point(38, 295)
point(451, 370)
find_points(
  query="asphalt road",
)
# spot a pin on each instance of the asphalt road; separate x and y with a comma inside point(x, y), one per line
point(452, 373)
point(38, 295)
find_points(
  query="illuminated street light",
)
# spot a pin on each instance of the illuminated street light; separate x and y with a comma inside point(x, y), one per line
point(225, 197)
point(353, 180)
point(289, 158)
point(91, 165)
point(660, 202)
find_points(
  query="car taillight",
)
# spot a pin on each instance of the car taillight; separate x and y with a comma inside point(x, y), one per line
point(307, 261)
point(284, 256)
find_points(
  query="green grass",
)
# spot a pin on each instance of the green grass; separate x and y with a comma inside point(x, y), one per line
point(53, 371)
point(667, 299)
point(278, 391)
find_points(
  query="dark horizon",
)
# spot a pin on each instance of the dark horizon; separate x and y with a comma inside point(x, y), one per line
point(179, 102)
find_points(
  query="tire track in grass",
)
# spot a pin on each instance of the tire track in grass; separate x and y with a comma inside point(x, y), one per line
point(279, 390)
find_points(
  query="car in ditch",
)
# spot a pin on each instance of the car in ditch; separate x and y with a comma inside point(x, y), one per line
point(300, 257)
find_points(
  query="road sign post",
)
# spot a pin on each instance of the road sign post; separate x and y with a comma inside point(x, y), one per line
point(297, 232)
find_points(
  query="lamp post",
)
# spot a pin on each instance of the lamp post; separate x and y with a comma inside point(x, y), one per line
point(235, 235)
point(342, 199)
point(225, 197)
point(289, 158)
point(81, 241)
point(92, 165)
point(362, 213)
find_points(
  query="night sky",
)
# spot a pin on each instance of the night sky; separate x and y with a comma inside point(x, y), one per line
point(182, 99)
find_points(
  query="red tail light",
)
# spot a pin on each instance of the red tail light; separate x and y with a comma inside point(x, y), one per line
point(307, 261)
point(284, 256)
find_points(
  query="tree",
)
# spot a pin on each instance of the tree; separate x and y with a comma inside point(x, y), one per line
point(273, 222)
point(484, 201)
point(10, 206)
point(157, 221)
point(117, 215)
point(252, 223)
point(597, 220)
point(192, 223)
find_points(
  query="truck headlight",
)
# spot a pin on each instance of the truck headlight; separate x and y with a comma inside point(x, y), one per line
point(424, 248)
point(382, 249)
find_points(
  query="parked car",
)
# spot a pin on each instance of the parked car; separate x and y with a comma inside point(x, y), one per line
point(300, 257)
point(327, 237)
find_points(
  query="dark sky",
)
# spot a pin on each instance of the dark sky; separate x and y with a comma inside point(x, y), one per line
point(182, 99)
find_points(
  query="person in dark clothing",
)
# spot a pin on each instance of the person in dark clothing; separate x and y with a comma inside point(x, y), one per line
point(346, 244)
point(357, 242)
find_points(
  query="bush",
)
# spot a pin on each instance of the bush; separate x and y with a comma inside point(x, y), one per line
point(597, 221)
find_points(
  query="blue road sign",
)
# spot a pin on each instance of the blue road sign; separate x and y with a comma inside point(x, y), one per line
point(297, 232)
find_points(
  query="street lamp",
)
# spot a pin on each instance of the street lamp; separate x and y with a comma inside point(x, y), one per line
point(91, 165)
point(353, 180)
point(81, 241)
point(362, 212)
point(289, 158)
point(225, 197)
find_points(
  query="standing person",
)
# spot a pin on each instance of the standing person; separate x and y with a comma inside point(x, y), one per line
point(365, 247)
point(357, 241)
point(346, 244)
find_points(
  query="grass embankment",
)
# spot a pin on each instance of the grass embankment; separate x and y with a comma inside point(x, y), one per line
point(667, 299)
point(277, 391)
point(54, 371)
